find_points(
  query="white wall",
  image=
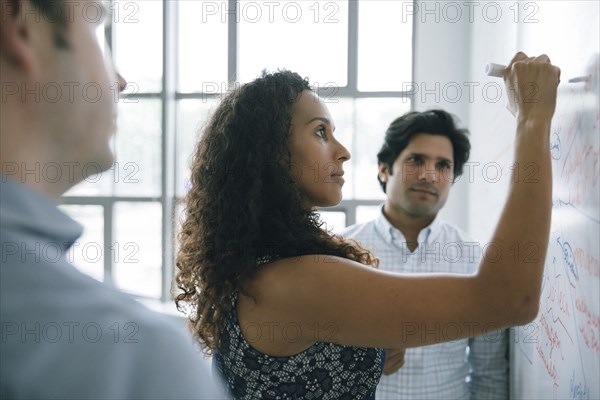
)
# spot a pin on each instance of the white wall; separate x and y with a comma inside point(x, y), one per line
point(441, 67)
point(453, 42)
point(494, 39)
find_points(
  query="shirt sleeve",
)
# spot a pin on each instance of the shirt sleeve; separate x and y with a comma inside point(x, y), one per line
point(167, 366)
point(488, 366)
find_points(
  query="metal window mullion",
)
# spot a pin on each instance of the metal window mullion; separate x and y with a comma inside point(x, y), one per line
point(352, 85)
point(232, 42)
point(326, 92)
point(109, 33)
point(130, 97)
point(412, 67)
point(104, 201)
point(352, 45)
point(107, 209)
point(351, 215)
point(110, 36)
point(353, 93)
point(168, 141)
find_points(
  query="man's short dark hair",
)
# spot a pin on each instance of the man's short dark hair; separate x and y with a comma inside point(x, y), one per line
point(433, 122)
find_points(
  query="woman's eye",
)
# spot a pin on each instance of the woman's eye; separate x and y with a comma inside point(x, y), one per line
point(320, 133)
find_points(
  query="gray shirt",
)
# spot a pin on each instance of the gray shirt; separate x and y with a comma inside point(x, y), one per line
point(66, 335)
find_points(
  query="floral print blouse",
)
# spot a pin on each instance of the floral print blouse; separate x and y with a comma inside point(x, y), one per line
point(323, 371)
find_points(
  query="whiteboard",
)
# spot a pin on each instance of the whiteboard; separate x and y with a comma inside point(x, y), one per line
point(557, 356)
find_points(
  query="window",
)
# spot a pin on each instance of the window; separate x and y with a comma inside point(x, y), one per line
point(178, 57)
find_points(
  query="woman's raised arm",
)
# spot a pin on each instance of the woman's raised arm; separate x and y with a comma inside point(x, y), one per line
point(324, 298)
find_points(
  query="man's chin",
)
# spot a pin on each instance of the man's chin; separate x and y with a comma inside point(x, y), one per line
point(98, 165)
point(423, 211)
point(105, 161)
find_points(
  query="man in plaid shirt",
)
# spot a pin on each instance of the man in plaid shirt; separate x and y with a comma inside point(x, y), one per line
point(421, 157)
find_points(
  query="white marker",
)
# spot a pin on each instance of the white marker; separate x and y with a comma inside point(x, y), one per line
point(579, 79)
point(497, 70)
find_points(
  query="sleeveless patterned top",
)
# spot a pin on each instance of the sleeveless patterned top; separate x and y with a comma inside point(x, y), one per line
point(323, 371)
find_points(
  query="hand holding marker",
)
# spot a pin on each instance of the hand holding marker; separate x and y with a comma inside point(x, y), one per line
point(497, 70)
point(492, 69)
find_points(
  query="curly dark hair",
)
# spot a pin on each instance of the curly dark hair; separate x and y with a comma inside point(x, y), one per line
point(433, 122)
point(243, 208)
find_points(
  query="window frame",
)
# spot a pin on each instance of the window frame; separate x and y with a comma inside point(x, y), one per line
point(170, 97)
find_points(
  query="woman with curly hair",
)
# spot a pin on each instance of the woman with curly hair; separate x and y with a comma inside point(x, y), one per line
point(289, 310)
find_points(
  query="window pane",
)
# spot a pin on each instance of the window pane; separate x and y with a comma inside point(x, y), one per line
point(384, 45)
point(373, 116)
point(335, 221)
point(178, 218)
point(137, 248)
point(138, 43)
point(137, 170)
point(202, 49)
point(101, 37)
point(87, 252)
point(192, 115)
point(307, 37)
point(367, 213)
